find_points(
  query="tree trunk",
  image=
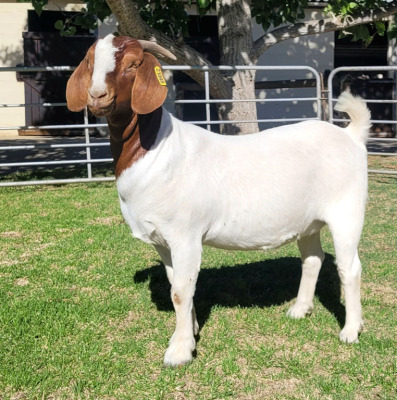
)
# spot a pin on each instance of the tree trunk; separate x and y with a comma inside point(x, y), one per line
point(236, 44)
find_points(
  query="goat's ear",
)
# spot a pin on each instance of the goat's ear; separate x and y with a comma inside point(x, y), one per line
point(77, 87)
point(149, 90)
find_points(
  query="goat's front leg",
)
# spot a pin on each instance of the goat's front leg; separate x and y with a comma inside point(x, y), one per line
point(186, 266)
point(312, 257)
point(165, 255)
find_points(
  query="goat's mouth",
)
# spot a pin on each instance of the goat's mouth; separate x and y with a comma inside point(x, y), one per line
point(102, 109)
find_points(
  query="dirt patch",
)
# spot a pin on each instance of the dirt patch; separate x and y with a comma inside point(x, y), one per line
point(108, 221)
point(35, 250)
point(267, 390)
point(18, 396)
point(385, 293)
point(11, 234)
point(22, 281)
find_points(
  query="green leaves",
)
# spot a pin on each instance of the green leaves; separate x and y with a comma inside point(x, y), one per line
point(361, 32)
point(276, 13)
point(171, 16)
point(203, 3)
point(38, 5)
point(59, 25)
point(87, 18)
point(349, 9)
point(381, 28)
point(66, 28)
point(168, 16)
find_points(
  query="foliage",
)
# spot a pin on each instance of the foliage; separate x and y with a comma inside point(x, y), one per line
point(366, 33)
point(170, 16)
point(276, 13)
point(87, 18)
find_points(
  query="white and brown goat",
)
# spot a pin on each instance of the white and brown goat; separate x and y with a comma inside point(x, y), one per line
point(182, 187)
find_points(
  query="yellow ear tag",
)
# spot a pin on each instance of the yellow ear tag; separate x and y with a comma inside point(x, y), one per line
point(160, 76)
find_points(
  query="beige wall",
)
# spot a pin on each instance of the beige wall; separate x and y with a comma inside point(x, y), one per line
point(13, 21)
point(12, 24)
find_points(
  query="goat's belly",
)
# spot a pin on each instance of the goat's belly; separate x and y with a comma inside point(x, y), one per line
point(228, 243)
point(258, 237)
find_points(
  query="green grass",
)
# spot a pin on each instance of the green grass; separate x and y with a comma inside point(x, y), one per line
point(85, 310)
point(66, 172)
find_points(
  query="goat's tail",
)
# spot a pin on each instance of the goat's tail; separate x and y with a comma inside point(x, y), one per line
point(359, 114)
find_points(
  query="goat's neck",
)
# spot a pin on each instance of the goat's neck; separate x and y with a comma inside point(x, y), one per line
point(132, 139)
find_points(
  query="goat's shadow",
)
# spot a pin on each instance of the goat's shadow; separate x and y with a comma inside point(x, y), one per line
point(261, 284)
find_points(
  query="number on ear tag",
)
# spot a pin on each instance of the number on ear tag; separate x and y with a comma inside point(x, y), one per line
point(160, 76)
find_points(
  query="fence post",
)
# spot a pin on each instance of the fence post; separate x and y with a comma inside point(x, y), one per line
point(207, 97)
point(87, 141)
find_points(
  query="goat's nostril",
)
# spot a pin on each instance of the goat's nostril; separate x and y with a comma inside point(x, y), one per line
point(96, 95)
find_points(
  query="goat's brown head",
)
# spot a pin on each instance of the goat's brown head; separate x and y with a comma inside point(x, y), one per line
point(118, 75)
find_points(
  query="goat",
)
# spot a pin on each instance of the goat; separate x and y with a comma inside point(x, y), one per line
point(181, 187)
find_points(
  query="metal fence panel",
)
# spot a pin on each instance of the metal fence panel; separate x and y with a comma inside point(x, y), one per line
point(88, 145)
point(392, 121)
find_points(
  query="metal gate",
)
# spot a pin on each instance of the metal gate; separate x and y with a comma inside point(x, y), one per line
point(301, 93)
point(348, 75)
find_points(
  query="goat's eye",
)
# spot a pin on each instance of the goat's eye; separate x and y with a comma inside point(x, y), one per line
point(131, 66)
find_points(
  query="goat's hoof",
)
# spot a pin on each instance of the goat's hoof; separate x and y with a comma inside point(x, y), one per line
point(298, 311)
point(179, 353)
point(350, 334)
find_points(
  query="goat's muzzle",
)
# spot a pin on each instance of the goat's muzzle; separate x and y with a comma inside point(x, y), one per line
point(100, 107)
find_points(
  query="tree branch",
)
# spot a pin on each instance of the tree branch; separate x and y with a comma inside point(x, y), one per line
point(313, 27)
point(132, 24)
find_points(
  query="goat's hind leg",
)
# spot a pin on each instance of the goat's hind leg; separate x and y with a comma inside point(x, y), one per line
point(346, 227)
point(312, 258)
point(350, 275)
point(349, 270)
point(186, 265)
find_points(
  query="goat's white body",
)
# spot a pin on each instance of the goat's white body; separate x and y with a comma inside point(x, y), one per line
point(250, 192)
point(193, 187)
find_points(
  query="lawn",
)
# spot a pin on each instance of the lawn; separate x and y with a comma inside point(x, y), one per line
point(85, 310)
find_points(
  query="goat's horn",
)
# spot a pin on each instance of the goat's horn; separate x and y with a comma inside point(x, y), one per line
point(155, 48)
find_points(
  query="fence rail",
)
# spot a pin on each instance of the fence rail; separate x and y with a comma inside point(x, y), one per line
point(316, 100)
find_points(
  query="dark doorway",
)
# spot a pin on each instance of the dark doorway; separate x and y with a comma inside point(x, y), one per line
point(44, 46)
point(376, 85)
point(203, 37)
